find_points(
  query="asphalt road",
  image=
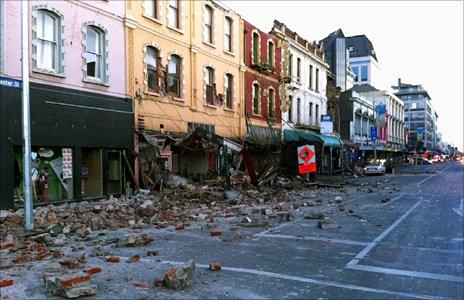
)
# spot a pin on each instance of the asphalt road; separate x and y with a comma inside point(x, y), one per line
point(410, 245)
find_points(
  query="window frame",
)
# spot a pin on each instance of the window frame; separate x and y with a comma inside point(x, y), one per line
point(271, 53)
point(317, 114)
point(271, 103)
point(229, 91)
point(177, 13)
point(311, 68)
point(228, 35)
point(317, 80)
point(58, 42)
point(290, 108)
point(256, 105)
point(209, 85)
point(290, 65)
point(298, 69)
point(367, 73)
point(155, 68)
point(176, 76)
point(154, 14)
point(102, 36)
point(356, 74)
point(208, 28)
point(255, 50)
point(298, 110)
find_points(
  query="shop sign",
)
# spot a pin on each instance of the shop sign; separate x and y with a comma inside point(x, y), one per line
point(11, 83)
point(306, 159)
point(373, 133)
point(67, 163)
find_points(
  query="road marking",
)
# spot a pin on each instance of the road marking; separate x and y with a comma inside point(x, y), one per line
point(407, 273)
point(310, 238)
point(459, 210)
point(422, 181)
point(314, 281)
point(381, 236)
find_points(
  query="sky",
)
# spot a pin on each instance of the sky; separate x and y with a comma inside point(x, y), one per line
point(419, 41)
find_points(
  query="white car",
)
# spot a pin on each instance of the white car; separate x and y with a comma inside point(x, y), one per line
point(375, 168)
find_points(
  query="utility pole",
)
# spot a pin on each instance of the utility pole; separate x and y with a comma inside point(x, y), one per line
point(26, 118)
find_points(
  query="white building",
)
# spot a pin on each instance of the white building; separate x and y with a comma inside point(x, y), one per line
point(306, 70)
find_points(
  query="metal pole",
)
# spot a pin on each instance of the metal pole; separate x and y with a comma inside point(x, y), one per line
point(28, 204)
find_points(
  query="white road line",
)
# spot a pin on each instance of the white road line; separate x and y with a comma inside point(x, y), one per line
point(422, 181)
point(407, 273)
point(314, 281)
point(381, 236)
point(459, 210)
point(310, 238)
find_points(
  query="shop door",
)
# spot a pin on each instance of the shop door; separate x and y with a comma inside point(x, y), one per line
point(114, 172)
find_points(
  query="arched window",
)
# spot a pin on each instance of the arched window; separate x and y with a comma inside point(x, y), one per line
point(95, 53)
point(208, 26)
point(271, 104)
point(209, 81)
point(256, 99)
point(290, 65)
point(255, 48)
point(48, 51)
point(229, 89)
point(152, 69)
point(174, 75)
point(228, 35)
point(298, 69)
point(270, 54)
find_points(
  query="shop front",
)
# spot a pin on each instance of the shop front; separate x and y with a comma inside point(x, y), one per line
point(78, 138)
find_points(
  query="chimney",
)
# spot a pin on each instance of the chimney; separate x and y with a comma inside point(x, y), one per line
point(399, 82)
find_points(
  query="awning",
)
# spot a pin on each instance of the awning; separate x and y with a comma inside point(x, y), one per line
point(304, 135)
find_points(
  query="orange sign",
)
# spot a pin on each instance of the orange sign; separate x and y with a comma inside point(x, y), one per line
point(306, 159)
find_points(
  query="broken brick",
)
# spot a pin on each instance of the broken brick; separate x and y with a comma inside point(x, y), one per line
point(6, 246)
point(6, 283)
point(180, 227)
point(71, 263)
point(215, 233)
point(215, 266)
point(159, 282)
point(113, 259)
point(94, 270)
point(141, 285)
point(72, 281)
point(134, 258)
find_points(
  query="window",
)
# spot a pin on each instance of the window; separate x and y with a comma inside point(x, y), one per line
point(271, 104)
point(173, 13)
point(95, 53)
point(228, 35)
point(317, 79)
point(363, 73)
point(317, 114)
point(48, 41)
point(355, 71)
point(310, 111)
point(290, 108)
point(311, 77)
point(209, 80)
point(290, 65)
point(174, 75)
point(151, 8)
point(298, 112)
point(256, 102)
point(229, 87)
point(255, 48)
point(270, 54)
point(298, 69)
point(152, 68)
point(208, 25)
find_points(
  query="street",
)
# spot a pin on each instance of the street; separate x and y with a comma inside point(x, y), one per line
point(402, 239)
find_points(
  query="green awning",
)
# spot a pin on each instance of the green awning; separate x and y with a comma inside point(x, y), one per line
point(330, 141)
point(304, 135)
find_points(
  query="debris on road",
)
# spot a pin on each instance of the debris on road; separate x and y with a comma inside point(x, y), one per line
point(181, 277)
point(133, 258)
point(328, 224)
point(70, 285)
point(215, 266)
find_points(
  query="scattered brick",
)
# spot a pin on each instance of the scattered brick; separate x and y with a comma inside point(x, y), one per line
point(113, 259)
point(141, 285)
point(72, 281)
point(159, 282)
point(6, 283)
point(180, 227)
point(215, 266)
point(134, 258)
point(215, 233)
point(6, 245)
point(94, 270)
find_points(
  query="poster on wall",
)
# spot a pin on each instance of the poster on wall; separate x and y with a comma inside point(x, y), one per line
point(67, 163)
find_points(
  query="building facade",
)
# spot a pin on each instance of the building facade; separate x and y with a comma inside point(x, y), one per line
point(81, 119)
point(419, 115)
point(262, 59)
point(184, 72)
point(363, 61)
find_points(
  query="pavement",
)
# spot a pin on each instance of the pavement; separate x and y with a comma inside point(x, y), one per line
point(400, 236)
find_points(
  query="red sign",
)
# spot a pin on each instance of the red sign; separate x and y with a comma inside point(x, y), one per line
point(306, 159)
point(307, 168)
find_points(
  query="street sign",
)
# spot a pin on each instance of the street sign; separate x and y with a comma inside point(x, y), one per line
point(373, 133)
point(11, 83)
point(326, 124)
point(306, 159)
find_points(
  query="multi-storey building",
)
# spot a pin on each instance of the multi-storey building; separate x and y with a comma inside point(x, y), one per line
point(183, 69)
point(363, 61)
point(262, 59)
point(419, 115)
point(81, 119)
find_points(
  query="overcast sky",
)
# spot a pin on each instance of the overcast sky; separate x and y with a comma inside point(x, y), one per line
point(419, 41)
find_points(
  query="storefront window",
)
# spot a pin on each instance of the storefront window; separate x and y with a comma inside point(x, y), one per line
point(52, 174)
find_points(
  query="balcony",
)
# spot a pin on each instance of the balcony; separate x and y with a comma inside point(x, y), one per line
point(262, 67)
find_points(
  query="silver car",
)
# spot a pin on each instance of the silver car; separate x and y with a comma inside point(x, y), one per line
point(375, 168)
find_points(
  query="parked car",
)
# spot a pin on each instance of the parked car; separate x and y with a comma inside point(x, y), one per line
point(375, 168)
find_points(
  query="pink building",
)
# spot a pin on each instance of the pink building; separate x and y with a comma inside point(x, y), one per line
point(81, 117)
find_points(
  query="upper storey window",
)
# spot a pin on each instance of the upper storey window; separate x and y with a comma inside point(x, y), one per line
point(228, 35)
point(208, 26)
point(48, 45)
point(173, 13)
point(151, 8)
point(95, 53)
point(255, 48)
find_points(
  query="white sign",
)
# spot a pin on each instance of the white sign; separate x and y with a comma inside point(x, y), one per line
point(326, 127)
point(67, 163)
